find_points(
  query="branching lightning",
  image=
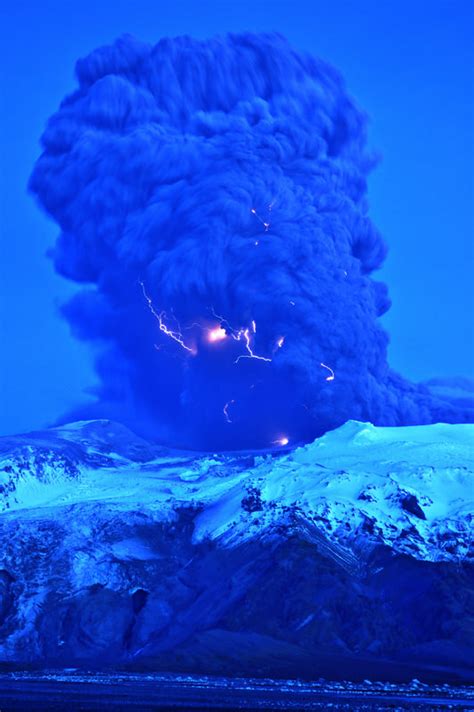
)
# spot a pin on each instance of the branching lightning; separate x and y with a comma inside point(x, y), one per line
point(160, 316)
point(219, 332)
point(244, 334)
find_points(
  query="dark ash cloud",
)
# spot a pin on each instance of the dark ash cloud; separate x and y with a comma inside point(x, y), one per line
point(164, 168)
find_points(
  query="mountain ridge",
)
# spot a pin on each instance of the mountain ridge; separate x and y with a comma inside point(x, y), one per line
point(358, 545)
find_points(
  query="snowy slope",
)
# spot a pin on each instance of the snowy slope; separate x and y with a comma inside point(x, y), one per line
point(412, 488)
point(409, 487)
point(117, 549)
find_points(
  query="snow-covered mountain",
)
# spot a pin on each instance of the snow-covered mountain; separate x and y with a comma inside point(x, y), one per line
point(352, 555)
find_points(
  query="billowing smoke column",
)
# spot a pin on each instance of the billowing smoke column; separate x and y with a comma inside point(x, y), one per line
point(211, 198)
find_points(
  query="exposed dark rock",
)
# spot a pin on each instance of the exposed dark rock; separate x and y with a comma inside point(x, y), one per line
point(137, 565)
point(284, 599)
point(252, 502)
point(410, 504)
point(6, 594)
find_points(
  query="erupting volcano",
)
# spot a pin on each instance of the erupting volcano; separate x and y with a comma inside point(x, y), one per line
point(211, 197)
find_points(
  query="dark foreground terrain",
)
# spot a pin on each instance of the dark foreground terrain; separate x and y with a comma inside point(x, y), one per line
point(99, 691)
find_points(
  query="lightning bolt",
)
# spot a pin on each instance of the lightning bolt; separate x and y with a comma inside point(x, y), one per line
point(160, 316)
point(218, 333)
point(332, 375)
point(242, 335)
point(225, 410)
point(265, 224)
point(245, 335)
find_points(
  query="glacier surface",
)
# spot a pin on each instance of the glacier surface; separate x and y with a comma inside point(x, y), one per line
point(350, 556)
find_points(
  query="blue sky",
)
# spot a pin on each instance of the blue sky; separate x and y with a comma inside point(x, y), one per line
point(409, 64)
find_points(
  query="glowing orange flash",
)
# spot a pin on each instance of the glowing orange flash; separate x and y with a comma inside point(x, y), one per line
point(216, 334)
point(281, 441)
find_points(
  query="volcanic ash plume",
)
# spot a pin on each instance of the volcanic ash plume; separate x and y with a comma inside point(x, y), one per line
point(211, 198)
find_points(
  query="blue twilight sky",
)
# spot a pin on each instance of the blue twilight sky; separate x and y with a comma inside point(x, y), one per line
point(408, 63)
